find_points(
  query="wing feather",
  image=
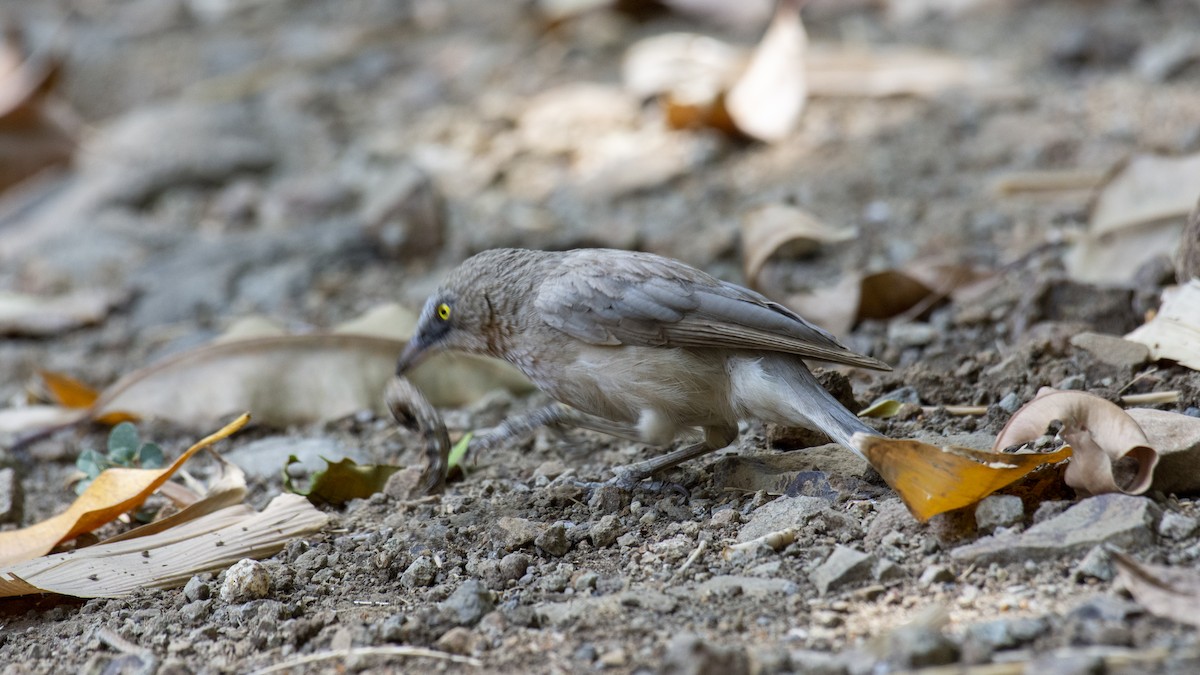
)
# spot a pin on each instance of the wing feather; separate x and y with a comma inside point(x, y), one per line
point(610, 297)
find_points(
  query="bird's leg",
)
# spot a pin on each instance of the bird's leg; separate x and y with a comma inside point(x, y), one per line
point(629, 476)
point(555, 415)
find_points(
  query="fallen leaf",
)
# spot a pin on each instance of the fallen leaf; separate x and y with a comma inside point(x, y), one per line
point(882, 409)
point(169, 558)
point(779, 229)
point(459, 452)
point(693, 69)
point(1098, 431)
point(36, 131)
point(933, 479)
point(1136, 215)
point(33, 316)
point(112, 493)
point(67, 391)
point(1174, 332)
point(341, 481)
point(887, 294)
point(766, 101)
point(1169, 592)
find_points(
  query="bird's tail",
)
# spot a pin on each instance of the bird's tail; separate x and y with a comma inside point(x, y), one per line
point(808, 404)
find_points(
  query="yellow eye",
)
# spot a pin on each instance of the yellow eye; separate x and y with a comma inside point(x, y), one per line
point(443, 311)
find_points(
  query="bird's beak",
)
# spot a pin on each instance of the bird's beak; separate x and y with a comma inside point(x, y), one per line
point(414, 353)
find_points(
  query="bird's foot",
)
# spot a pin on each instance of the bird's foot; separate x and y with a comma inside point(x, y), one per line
point(636, 480)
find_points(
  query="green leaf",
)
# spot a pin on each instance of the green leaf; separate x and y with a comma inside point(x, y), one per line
point(342, 481)
point(123, 442)
point(459, 451)
point(91, 463)
point(150, 456)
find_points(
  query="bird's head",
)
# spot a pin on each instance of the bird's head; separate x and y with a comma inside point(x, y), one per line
point(453, 318)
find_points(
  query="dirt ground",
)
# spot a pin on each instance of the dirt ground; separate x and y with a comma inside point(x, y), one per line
point(231, 152)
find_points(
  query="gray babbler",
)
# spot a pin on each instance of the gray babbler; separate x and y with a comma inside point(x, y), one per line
point(637, 345)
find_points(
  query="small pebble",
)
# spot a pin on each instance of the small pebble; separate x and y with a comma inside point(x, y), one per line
point(246, 580)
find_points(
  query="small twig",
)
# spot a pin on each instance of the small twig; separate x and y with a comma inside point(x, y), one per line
point(401, 650)
point(693, 557)
point(956, 410)
point(1046, 181)
point(1151, 398)
point(776, 540)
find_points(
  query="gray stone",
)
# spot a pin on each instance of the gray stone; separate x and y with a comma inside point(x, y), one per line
point(1177, 526)
point(513, 566)
point(920, 646)
point(196, 589)
point(1097, 564)
point(690, 654)
point(843, 567)
point(1007, 633)
point(553, 540)
point(263, 458)
point(1121, 520)
point(514, 533)
point(886, 570)
point(1162, 59)
point(754, 587)
point(935, 574)
point(405, 214)
point(904, 334)
point(996, 511)
point(469, 602)
point(196, 610)
point(1067, 663)
point(246, 580)
point(597, 610)
point(786, 512)
point(1073, 382)
point(606, 531)
point(1010, 402)
point(421, 572)
point(1114, 351)
point(12, 497)
point(608, 500)
point(1051, 509)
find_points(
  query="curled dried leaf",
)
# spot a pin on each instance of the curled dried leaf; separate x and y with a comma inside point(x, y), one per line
point(412, 410)
point(1100, 433)
point(1174, 332)
point(766, 101)
point(1169, 592)
point(780, 229)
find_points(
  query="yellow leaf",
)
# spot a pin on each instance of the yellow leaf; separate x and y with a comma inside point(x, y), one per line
point(67, 391)
point(933, 479)
point(114, 492)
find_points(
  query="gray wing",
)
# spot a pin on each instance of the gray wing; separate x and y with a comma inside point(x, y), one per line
point(607, 297)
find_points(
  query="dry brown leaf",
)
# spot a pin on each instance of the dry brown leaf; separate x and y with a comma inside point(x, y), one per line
point(1174, 332)
point(1169, 592)
point(933, 479)
point(66, 391)
point(37, 316)
point(34, 131)
point(780, 229)
point(1177, 439)
point(1099, 432)
point(112, 493)
point(166, 559)
point(229, 489)
point(886, 294)
point(766, 101)
point(1136, 215)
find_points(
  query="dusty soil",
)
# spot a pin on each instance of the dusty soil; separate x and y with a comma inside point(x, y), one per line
point(284, 118)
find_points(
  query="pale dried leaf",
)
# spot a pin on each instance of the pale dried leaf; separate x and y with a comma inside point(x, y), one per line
point(780, 229)
point(1174, 333)
point(561, 10)
point(1169, 592)
point(28, 418)
point(1099, 432)
point(1177, 439)
point(768, 98)
point(229, 489)
point(41, 316)
point(1137, 214)
point(692, 68)
point(248, 327)
point(167, 559)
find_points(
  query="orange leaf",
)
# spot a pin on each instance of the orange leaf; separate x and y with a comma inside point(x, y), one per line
point(932, 479)
point(68, 391)
point(114, 492)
